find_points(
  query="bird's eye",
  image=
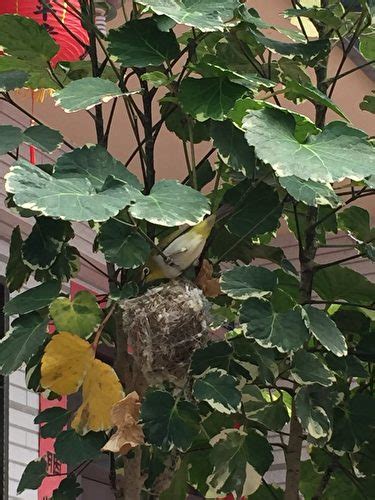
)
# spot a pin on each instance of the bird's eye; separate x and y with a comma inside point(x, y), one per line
point(146, 271)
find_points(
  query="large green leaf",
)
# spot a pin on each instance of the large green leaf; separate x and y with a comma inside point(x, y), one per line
point(33, 475)
point(368, 103)
point(210, 15)
point(140, 43)
point(45, 242)
point(65, 266)
point(68, 489)
point(160, 206)
point(10, 80)
point(122, 245)
point(71, 198)
point(95, 164)
point(325, 330)
point(331, 284)
point(34, 299)
point(25, 39)
point(54, 420)
point(306, 51)
point(86, 93)
point(338, 152)
point(80, 315)
point(354, 423)
point(43, 138)
point(232, 146)
point(179, 485)
point(314, 405)
point(258, 212)
point(308, 369)
point(17, 272)
point(356, 222)
point(367, 43)
point(219, 390)
point(205, 98)
point(243, 282)
point(310, 192)
point(72, 448)
point(295, 90)
point(27, 333)
point(239, 459)
point(286, 330)
point(178, 122)
point(10, 138)
point(272, 414)
point(169, 423)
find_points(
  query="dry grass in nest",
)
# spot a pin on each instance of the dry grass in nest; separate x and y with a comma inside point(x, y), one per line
point(164, 327)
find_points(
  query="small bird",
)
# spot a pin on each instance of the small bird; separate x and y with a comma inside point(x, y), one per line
point(180, 251)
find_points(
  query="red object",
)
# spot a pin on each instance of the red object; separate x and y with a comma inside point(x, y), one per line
point(70, 48)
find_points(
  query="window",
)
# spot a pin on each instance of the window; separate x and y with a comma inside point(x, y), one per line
point(3, 408)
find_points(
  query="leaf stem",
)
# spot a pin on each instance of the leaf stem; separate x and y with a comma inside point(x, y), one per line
point(99, 331)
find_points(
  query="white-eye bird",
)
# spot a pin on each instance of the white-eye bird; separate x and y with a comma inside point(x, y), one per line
point(181, 251)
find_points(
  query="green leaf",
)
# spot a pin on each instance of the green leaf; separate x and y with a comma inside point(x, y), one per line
point(269, 492)
point(239, 459)
point(326, 16)
point(325, 330)
point(356, 222)
point(368, 103)
point(311, 193)
point(68, 489)
point(54, 420)
point(243, 282)
point(178, 122)
point(354, 423)
point(10, 80)
point(27, 333)
point(71, 198)
point(10, 138)
point(295, 90)
point(205, 98)
point(17, 272)
point(314, 405)
point(331, 284)
point(303, 125)
point(44, 243)
point(271, 414)
point(140, 43)
point(367, 43)
point(157, 79)
point(286, 330)
point(65, 267)
point(33, 475)
point(259, 210)
point(307, 368)
point(178, 487)
point(210, 15)
point(219, 390)
point(95, 164)
point(160, 207)
point(86, 93)
point(336, 153)
point(25, 39)
point(34, 299)
point(44, 138)
point(122, 245)
point(72, 448)
point(232, 146)
point(306, 51)
point(169, 423)
point(80, 316)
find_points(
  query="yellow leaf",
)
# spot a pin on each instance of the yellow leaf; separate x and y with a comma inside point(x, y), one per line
point(125, 416)
point(101, 390)
point(65, 362)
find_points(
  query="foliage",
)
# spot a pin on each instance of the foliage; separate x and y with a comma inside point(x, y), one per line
point(296, 341)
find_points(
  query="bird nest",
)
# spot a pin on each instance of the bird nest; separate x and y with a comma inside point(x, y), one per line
point(164, 327)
